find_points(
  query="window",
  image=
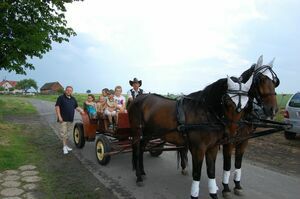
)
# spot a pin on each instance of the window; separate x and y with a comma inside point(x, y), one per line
point(295, 101)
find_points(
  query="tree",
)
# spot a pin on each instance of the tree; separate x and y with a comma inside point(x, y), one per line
point(2, 88)
point(27, 30)
point(26, 84)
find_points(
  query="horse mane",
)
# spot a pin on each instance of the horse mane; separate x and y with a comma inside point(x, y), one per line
point(211, 96)
point(140, 98)
point(161, 96)
point(247, 74)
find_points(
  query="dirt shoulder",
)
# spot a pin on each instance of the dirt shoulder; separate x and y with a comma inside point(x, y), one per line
point(63, 176)
point(276, 153)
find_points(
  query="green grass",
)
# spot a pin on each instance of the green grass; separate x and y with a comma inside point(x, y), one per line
point(10, 105)
point(14, 148)
point(13, 143)
point(282, 100)
point(51, 98)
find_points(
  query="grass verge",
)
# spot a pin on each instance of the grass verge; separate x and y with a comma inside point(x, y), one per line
point(32, 141)
point(10, 105)
point(14, 150)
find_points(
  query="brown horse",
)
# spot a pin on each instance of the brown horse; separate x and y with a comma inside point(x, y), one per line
point(262, 92)
point(205, 117)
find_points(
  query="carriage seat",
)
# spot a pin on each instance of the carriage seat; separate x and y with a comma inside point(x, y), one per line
point(123, 121)
point(91, 120)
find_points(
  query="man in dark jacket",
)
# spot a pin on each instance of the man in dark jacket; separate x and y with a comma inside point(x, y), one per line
point(136, 90)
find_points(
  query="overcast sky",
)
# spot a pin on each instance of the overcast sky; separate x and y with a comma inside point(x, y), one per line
point(172, 46)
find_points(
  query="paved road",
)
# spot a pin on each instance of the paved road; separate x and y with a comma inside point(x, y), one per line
point(164, 179)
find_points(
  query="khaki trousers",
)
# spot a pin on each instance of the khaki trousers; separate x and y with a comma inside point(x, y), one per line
point(65, 127)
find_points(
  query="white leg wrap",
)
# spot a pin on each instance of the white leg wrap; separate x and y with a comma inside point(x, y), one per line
point(237, 174)
point(195, 188)
point(212, 185)
point(226, 175)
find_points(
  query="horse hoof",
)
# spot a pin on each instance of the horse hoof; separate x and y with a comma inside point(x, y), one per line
point(213, 195)
point(238, 192)
point(140, 184)
point(226, 194)
point(184, 172)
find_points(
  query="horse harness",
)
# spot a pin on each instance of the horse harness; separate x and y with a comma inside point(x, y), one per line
point(183, 127)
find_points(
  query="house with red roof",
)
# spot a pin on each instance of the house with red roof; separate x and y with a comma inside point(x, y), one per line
point(9, 86)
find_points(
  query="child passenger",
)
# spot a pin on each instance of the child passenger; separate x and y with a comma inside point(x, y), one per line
point(110, 110)
point(120, 99)
point(105, 92)
point(101, 105)
point(90, 106)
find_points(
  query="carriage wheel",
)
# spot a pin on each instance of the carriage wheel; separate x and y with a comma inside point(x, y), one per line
point(78, 135)
point(156, 152)
point(102, 147)
point(289, 135)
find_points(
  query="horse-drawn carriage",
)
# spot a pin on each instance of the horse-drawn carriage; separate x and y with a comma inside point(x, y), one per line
point(112, 141)
point(200, 122)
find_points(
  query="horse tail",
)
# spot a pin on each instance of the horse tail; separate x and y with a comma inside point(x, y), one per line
point(185, 156)
point(182, 158)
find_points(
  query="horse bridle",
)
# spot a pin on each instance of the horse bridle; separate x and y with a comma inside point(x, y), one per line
point(257, 73)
